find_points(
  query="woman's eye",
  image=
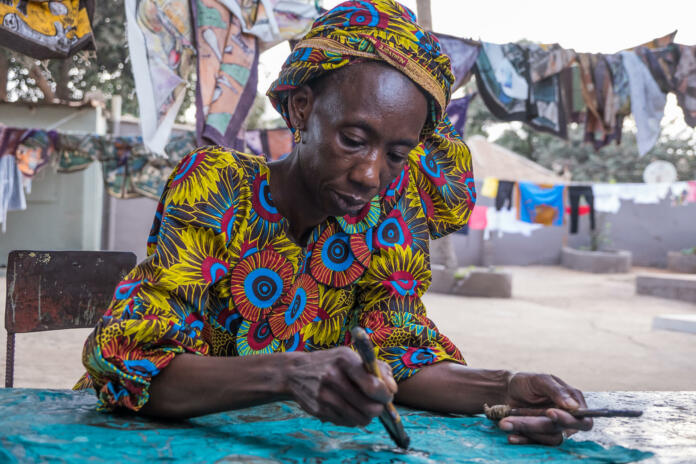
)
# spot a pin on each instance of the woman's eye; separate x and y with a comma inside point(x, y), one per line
point(397, 157)
point(350, 142)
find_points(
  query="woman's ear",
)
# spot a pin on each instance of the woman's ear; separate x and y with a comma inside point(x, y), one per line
point(300, 104)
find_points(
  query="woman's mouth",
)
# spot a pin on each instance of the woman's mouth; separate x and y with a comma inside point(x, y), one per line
point(347, 203)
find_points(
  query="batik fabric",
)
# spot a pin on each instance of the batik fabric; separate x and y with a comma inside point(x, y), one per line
point(684, 83)
point(160, 41)
point(42, 29)
point(380, 30)
point(227, 74)
point(502, 78)
point(462, 54)
point(273, 144)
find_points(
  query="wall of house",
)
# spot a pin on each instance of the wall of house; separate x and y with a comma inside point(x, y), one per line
point(648, 231)
point(64, 211)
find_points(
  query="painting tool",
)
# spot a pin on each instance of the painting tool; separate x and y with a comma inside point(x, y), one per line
point(390, 417)
point(499, 411)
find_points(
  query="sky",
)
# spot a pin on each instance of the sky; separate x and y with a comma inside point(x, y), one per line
point(596, 26)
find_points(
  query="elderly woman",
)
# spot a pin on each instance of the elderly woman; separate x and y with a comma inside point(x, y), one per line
point(257, 271)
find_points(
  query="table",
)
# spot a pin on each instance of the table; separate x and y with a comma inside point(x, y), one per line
point(62, 426)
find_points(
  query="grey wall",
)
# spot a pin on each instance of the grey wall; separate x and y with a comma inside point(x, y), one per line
point(63, 210)
point(647, 231)
point(130, 224)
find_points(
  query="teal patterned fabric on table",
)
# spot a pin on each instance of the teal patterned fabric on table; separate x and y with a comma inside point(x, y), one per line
point(62, 426)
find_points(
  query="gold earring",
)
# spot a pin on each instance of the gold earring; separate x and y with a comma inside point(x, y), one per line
point(298, 136)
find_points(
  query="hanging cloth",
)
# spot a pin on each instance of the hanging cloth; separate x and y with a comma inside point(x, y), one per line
point(227, 74)
point(647, 102)
point(575, 193)
point(457, 110)
point(160, 40)
point(463, 54)
point(11, 191)
point(502, 78)
point(504, 194)
point(43, 29)
point(541, 204)
point(602, 124)
point(684, 83)
point(490, 187)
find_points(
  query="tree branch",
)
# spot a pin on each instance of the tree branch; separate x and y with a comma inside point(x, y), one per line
point(62, 90)
point(4, 69)
point(42, 82)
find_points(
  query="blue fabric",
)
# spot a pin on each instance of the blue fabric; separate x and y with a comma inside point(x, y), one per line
point(541, 205)
point(62, 426)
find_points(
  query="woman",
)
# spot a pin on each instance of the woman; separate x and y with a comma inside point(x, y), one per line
point(265, 267)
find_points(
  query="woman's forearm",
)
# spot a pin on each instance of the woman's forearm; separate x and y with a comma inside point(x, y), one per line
point(194, 385)
point(447, 387)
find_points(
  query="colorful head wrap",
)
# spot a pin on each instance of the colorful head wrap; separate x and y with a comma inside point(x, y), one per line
point(380, 30)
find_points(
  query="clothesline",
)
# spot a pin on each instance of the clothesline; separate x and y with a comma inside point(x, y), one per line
point(523, 207)
point(535, 203)
point(546, 86)
point(130, 170)
point(569, 183)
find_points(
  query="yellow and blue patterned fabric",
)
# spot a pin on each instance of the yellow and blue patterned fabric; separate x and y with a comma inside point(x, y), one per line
point(223, 278)
point(378, 30)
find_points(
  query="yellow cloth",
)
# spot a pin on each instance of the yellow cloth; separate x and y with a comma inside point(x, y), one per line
point(490, 187)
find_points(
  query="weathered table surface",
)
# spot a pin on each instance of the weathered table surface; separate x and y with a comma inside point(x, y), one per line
point(62, 426)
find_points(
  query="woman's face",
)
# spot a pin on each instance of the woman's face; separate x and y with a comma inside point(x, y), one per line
point(357, 128)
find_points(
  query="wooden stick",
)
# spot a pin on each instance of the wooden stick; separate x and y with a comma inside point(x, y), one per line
point(500, 411)
point(390, 417)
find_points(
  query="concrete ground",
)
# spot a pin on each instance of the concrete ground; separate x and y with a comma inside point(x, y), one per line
point(591, 330)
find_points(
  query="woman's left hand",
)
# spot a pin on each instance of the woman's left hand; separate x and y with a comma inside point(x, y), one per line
point(538, 391)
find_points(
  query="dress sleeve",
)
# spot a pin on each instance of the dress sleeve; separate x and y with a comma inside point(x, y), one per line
point(157, 310)
point(438, 200)
point(442, 169)
point(392, 313)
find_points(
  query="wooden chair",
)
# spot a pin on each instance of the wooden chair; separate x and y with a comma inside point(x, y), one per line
point(53, 290)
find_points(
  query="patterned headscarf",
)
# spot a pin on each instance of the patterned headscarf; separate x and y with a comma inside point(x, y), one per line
point(380, 30)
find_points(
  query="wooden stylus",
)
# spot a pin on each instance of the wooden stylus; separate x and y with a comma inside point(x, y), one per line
point(390, 417)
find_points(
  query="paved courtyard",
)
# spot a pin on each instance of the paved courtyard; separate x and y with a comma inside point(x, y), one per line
point(591, 330)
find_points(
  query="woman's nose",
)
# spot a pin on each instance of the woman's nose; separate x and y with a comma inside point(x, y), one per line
point(366, 173)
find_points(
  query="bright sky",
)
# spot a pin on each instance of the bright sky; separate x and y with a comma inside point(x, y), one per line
point(605, 26)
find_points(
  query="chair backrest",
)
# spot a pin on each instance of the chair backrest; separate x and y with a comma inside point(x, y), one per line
point(52, 290)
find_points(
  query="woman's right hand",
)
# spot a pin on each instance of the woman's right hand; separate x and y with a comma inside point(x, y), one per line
point(333, 386)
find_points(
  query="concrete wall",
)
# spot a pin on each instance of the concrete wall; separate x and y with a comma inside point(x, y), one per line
point(647, 231)
point(63, 210)
point(130, 222)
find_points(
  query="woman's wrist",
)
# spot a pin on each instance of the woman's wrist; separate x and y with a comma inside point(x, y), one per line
point(289, 365)
point(505, 378)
